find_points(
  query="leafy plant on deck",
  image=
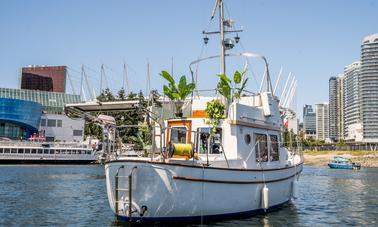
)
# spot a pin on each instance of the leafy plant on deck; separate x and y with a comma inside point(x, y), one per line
point(232, 90)
point(215, 111)
point(177, 92)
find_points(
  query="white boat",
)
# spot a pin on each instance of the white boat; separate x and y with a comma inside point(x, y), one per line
point(239, 170)
point(26, 152)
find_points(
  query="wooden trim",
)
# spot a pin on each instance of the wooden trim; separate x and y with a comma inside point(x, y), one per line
point(254, 125)
point(180, 123)
point(203, 167)
point(232, 182)
point(199, 114)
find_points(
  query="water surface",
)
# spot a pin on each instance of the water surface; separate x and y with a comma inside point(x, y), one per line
point(37, 195)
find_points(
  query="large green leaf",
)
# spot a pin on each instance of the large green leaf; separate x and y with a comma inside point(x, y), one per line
point(182, 84)
point(167, 76)
point(237, 77)
point(168, 92)
point(224, 78)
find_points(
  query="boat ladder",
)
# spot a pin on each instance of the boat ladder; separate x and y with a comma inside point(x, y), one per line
point(124, 191)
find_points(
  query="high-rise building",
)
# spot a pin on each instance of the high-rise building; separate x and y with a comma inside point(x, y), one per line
point(322, 121)
point(340, 107)
point(336, 108)
point(352, 116)
point(368, 84)
point(44, 78)
point(309, 121)
point(333, 108)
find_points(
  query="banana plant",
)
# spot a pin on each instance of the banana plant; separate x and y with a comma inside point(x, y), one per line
point(232, 90)
point(177, 92)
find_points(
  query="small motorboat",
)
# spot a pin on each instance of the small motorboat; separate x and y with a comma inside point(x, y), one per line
point(343, 163)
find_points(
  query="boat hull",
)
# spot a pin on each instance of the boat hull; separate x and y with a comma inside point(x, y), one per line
point(343, 166)
point(173, 192)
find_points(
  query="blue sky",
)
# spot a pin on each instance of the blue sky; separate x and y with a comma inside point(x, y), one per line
point(312, 39)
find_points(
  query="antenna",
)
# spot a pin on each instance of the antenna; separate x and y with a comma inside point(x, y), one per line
point(214, 9)
point(102, 69)
point(148, 85)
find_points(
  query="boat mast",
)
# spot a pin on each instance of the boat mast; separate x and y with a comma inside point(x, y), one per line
point(221, 30)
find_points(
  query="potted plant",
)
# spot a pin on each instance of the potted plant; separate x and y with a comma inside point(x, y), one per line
point(177, 93)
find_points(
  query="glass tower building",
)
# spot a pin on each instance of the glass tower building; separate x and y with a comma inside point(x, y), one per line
point(369, 87)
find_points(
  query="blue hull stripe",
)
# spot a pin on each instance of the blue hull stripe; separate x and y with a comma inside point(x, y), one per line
point(207, 218)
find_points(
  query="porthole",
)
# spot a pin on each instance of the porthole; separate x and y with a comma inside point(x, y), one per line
point(247, 138)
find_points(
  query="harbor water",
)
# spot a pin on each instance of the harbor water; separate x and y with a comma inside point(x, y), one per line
point(37, 195)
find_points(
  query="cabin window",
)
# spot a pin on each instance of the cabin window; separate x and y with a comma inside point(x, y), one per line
point(13, 150)
point(20, 151)
point(34, 151)
point(39, 151)
point(27, 151)
point(203, 140)
point(57, 151)
point(43, 122)
point(178, 135)
point(1, 150)
point(6, 150)
point(261, 148)
point(51, 151)
point(51, 123)
point(274, 155)
point(45, 151)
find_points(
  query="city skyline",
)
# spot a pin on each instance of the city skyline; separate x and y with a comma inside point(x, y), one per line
point(312, 40)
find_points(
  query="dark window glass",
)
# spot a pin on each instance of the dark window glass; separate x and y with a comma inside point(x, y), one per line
point(261, 148)
point(45, 151)
point(59, 123)
point(203, 139)
point(51, 123)
point(43, 122)
point(274, 154)
point(13, 150)
point(33, 151)
point(6, 150)
point(178, 135)
point(27, 151)
point(39, 151)
point(51, 151)
point(20, 151)
point(77, 132)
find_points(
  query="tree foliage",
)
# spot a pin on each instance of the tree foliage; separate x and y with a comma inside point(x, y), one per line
point(141, 136)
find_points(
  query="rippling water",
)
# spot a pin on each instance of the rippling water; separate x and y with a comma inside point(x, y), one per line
point(75, 195)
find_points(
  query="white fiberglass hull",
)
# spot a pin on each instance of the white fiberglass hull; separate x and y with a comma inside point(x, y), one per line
point(170, 192)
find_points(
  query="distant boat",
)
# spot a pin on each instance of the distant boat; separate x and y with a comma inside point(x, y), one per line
point(343, 163)
point(27, 152)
